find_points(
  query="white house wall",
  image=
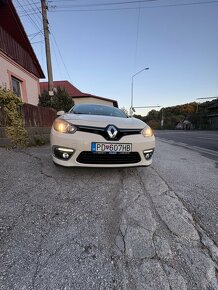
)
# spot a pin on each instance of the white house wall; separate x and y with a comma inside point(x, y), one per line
point(91, 100)
point(29, 83)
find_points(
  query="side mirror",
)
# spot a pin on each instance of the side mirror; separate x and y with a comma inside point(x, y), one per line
point(60, 113)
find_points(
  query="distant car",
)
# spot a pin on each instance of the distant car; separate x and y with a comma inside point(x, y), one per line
point(92, 135)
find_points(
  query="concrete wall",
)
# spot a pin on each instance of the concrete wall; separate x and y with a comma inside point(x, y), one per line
point(92, 100)
point(30, 83)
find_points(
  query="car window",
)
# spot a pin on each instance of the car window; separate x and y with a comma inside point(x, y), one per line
point(92, 109)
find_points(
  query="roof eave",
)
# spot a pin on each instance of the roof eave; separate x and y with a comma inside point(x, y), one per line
point(20, 25)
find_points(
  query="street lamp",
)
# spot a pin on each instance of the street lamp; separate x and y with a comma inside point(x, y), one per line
point(204, 99)
point(131, 108)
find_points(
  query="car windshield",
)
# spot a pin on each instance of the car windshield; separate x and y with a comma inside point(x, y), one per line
point(92, 109)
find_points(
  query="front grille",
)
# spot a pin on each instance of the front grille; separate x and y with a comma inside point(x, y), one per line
point(107, 158)
point(103, 132)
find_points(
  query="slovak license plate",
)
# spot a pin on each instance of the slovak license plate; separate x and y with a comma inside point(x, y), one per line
point(111, 148)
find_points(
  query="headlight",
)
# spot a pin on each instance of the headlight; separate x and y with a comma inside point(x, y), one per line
point(63, 126)
point(147, 132)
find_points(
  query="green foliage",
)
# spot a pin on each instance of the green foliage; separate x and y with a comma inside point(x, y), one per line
point(45, 100)
point(193, 112)
point(154, 124)
point(138, 117)
point(171, 116)
point(60, 101)
point(14, 129)
point(38, 140)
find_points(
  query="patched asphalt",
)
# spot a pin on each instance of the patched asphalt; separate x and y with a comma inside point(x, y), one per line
point(132, 228)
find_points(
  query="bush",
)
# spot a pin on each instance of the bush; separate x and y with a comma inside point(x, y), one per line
point(14, 129)
point(38, 140)
point(60, 101)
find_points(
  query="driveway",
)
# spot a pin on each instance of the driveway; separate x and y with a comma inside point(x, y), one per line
point(133, 228)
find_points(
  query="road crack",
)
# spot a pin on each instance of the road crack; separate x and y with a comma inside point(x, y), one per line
point(207, 242)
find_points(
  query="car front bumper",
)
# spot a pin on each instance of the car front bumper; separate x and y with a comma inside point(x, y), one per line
point(80, 142)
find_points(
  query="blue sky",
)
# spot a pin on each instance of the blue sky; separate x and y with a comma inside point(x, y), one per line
point(101, 50)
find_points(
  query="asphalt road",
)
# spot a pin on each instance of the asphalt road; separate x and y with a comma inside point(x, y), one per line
point(135, 228)
point(202, 139)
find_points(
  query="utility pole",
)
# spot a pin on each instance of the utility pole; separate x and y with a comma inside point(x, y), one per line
point(47, 47)
point(162, 118)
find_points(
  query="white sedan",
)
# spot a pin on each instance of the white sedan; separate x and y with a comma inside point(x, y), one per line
point(92, 135)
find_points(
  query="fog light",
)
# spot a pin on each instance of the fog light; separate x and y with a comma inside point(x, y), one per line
point(148, 154)
point(65, 155)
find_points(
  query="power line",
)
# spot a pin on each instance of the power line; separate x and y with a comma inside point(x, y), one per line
point(40, 31)
point(92, 4)
point(25, 5)
point(33, 22)
point(35, 15)
point(28, 13)
point(40, 41)
point(35, 10)
point(59, 52)
point(106, 3)
point(137, 35)
point(31, 11)
point(56, 58)
point(57, 9)
point(33, 35)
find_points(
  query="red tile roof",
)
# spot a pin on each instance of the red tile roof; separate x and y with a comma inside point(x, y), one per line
point(73, 91)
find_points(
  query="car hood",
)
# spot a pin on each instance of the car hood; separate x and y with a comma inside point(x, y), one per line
point(103, 121)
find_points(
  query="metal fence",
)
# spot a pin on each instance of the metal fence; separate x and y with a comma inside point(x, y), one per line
point(34, 116)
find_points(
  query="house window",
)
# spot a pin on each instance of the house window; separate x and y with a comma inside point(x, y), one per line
point(16, 86)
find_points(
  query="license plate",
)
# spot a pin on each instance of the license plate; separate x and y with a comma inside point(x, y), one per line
point(111, 148)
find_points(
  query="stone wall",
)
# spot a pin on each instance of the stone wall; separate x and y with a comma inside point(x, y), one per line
point(37, 136)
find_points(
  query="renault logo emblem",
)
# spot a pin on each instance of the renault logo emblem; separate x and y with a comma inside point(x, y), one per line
point(112, 131)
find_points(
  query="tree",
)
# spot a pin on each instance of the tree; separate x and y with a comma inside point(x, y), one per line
point(60, 101)
point(45, 100)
